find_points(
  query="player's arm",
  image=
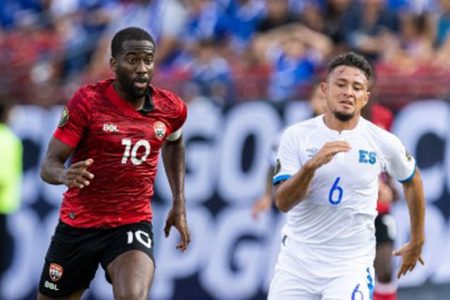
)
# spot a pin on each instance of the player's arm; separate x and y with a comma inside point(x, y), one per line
point(53, 170)
point(292, 191)
point(174, 164)
point(411, 252)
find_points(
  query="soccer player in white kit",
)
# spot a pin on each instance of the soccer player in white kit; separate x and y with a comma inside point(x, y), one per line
point(327, 182)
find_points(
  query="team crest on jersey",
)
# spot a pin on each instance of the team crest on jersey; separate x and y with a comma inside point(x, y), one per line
point(408, 156)
point(277, 167)
point(55, 272)
point(160, 129)
point(64, 117)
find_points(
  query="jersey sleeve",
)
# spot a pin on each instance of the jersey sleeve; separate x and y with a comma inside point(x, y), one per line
point(181, 118)
point(288, 162)
point(399, 163)
point(74, 120)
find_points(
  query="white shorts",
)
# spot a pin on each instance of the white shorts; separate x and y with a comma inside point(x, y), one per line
point(293, 280)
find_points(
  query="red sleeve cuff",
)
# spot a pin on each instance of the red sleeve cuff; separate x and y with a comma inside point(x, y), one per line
point(72, 141)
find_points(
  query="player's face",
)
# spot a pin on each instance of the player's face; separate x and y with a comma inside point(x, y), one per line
point(134, 67)
point(346, 91)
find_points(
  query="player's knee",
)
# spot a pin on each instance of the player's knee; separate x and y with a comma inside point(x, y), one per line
point(132, 293)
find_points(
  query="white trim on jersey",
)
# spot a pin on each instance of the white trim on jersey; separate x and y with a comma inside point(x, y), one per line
point(174, 135)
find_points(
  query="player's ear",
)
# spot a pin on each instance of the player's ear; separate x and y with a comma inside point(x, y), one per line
point(366, 99)
point(323, 88)
point(113, 64)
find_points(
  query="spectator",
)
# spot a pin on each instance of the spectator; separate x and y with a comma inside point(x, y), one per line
point(211, 72)
point(293, 52)
point(367, 25)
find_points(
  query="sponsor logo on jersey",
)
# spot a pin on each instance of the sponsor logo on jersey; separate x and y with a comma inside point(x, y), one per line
point(160, 129)
point(64, 117)
point(55, 272)
point(110, 128)
point(51, 286)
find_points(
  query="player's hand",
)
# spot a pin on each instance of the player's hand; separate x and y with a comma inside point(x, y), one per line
point(263, 204)
point(410, 254)
point(77, 175)
point(177, 218)
point(328, 151)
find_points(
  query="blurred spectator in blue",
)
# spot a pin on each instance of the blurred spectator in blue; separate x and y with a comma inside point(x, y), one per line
point(414, 6)
point(278, 13)
point(366, 26)
point(238, 20)
point(293, 52)
point(12, 10)
point(174, 17)
point(333, 16)
point(201, 22)
point(443, 23)
point(413, 50)
point(442, 41)
point(210, 72)
point(80, 25)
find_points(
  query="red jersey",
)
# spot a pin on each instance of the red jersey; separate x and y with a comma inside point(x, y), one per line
point(124, 145)
point(382, 117)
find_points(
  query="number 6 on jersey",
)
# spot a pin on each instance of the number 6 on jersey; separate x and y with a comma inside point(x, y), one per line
point(336, 192)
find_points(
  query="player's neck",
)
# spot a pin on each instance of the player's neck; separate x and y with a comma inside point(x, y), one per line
point(137, 103)
point(334, 123)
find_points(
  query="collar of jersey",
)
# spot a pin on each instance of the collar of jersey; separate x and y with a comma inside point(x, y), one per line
point(121, 103)
point(343, 133)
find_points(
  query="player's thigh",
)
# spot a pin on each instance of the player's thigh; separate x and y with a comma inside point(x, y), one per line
point(71, 261)
point(385, 236)
point(286, 286)
point(355, 286)
point(383, 262)
point(131, 275)
point(128, 260)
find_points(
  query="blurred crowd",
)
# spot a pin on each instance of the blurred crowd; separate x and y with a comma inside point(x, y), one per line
point(227, 50)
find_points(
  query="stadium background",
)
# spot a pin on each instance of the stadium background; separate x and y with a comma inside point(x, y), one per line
point(243, 83)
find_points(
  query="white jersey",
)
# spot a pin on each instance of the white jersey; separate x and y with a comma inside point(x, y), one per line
point(333, 226)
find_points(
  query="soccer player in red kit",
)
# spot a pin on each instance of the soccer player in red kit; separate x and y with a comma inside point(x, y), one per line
point(113, 131)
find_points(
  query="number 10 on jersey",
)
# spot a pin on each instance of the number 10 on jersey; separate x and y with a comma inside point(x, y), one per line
point(132, 150)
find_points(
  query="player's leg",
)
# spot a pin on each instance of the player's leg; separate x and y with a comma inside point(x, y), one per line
point(285, 286)
point(128, 261)
point(131, 275)
point(70, 263)
point(290, 280)
point(352, 286)
point(385, 288)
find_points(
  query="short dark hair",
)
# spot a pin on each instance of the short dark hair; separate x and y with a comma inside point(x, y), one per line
point(352, 59)
point(128, 34)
